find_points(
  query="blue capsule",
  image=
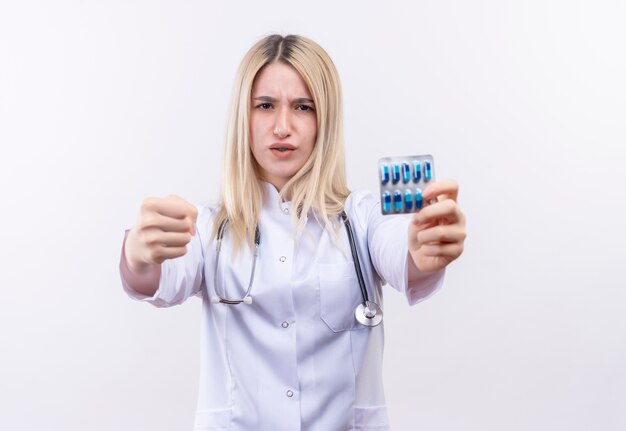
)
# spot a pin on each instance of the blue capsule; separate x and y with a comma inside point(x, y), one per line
point(384, 174)
point(406, 172)
point(402, 181)
point(395, 170)
point(386, 202)
point(427, 173)
point(397, 200)
point(417, 171)
point(419, 200)
point(408, 200)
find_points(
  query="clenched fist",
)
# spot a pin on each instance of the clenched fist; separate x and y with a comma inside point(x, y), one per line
point(163, 229)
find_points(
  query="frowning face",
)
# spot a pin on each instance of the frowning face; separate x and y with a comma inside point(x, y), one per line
point(283, 123)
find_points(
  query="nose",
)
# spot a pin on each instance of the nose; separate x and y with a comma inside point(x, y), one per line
point(282, 123)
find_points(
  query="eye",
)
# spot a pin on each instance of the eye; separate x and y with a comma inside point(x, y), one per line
point(304, 108)
point(264, 106)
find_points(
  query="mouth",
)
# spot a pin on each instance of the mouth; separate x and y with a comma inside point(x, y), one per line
point(282, 150)
point(282, 147)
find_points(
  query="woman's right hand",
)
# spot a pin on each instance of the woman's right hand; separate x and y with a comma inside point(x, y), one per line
point(164, 228)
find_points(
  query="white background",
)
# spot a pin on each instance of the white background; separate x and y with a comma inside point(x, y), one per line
point(523, 102)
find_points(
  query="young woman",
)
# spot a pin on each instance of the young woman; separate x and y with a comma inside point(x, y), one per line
point(274, 262)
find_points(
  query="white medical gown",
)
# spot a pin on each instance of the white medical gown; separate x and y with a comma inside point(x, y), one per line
point(296, 358)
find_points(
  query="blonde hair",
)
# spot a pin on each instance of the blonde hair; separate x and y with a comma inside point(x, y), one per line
point(320, 185)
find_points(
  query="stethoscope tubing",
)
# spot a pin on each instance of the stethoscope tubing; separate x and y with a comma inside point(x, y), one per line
point(257, 240)
point(355, 257)
point(367, 313)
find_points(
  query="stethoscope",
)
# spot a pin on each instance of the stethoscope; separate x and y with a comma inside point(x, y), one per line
point(367, 313)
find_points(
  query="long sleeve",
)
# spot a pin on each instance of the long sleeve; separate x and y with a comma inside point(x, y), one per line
point(388, 247)
point(134, 282)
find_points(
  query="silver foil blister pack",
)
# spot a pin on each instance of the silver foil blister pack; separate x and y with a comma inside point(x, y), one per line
point(402, 180)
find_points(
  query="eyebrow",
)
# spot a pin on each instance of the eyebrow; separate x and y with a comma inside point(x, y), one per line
point(271, 99)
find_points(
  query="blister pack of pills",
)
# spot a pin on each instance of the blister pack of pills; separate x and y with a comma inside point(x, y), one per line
point(402, 180)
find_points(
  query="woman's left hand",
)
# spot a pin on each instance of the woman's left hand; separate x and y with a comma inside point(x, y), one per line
point(437, 232)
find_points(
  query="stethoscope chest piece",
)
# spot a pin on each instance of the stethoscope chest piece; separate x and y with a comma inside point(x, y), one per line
point(368, 313)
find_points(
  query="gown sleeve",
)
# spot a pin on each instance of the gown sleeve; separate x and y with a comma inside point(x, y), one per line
point(388, 247)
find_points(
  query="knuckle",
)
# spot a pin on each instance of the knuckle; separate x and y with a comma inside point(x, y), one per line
point(189, 223)
point(150, 239)
point(461, 238)
point(141, 235)
point(149, 203)
point(178, 252)
point(146, 221)
point(157, 255)
point(171, 198)
point(420, 237)
point(440, 233)
point(141, 223)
